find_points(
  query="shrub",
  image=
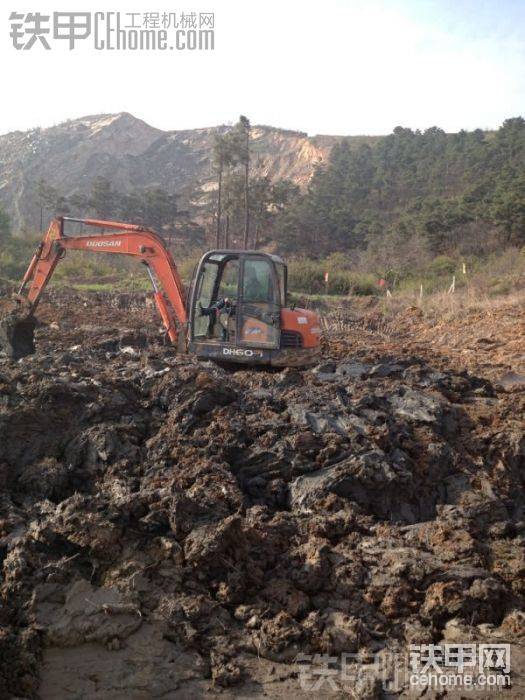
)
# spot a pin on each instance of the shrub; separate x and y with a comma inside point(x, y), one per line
point(308, 277)
point(186, 266)
point(442, 265)
point(79, 268)
point(498, 287)
point(15, 255)
point(364, 285)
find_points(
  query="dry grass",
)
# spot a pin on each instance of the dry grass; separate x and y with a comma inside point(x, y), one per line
point(390, 314)
point(475, 332)
point(443, 306)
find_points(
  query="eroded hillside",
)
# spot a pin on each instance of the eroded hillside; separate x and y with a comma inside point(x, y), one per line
point(132, 154)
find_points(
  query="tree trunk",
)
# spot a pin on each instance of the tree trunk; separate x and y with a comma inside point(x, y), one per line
point(227, 233)
point(246, 196)
point(219, 211)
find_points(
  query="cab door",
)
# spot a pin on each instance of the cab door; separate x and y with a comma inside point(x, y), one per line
point(259, 304)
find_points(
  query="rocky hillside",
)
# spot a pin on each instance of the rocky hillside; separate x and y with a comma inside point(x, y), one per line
point(133, 154)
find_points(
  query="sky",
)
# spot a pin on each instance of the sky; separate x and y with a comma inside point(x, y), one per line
point(330, 67)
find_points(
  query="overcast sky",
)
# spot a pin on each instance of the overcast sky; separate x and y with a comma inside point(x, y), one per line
point(333, 67)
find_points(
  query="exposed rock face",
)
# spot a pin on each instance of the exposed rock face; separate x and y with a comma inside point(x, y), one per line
point(133, 154)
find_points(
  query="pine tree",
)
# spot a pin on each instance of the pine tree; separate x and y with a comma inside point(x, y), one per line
point(50, 199)
point(223, 157)
point(243, 127)
point(103, 198)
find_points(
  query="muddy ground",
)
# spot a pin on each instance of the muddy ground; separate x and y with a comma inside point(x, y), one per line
point(173, 529)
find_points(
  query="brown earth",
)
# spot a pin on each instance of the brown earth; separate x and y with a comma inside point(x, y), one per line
point(173, 529)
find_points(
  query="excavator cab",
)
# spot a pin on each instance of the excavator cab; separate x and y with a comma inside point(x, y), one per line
point(237, 312)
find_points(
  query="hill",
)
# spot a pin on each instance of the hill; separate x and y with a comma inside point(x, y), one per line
point(133, 155)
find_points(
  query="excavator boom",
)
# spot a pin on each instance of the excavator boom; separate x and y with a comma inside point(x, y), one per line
point(123, 239)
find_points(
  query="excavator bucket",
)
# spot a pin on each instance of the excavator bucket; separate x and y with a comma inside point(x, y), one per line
point(17, 329)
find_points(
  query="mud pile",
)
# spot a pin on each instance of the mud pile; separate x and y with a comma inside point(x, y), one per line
point(169, 526)
point(17, 329)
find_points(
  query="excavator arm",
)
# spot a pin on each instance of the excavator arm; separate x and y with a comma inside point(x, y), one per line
point(122, 239)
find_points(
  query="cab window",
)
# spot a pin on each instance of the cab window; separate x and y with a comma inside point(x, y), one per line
point(206, 283)
point(229, 280)
point(258, 286)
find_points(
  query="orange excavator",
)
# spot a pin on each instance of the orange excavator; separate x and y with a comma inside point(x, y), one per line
point(235, 310)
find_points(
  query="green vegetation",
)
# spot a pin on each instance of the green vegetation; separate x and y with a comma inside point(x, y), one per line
point(245, 207)
point(308, 277)
point(152, 207)
point(411, 196)
point(496, 274)
point(15, 254)
point(412, 208)
point(5, 225)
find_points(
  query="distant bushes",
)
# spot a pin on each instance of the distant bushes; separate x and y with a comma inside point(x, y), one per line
point(15, 254)
point(81, 268)
point(308, 277)
point(497, 274)
point(443, 265)
point(85, 269)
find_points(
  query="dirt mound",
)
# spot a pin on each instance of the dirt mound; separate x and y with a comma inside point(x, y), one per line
point(182, 527)
point(17, 328)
